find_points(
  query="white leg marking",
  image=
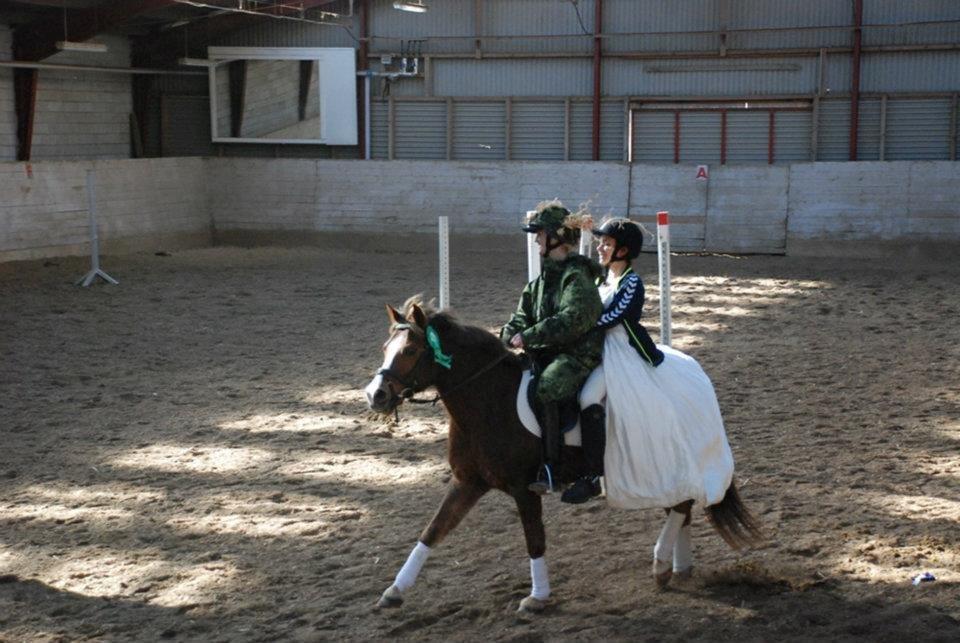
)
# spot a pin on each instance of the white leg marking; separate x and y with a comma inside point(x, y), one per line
point(407, 575)
point(541, 581)
point(683, 551)
point(663, 551)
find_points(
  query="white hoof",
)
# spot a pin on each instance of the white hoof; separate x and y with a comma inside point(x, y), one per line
point(684, 574)
point(391, 598)
point(532, 605)
point(662, 572)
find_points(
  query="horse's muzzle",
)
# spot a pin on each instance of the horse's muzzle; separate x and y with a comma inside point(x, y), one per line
point(380, 397)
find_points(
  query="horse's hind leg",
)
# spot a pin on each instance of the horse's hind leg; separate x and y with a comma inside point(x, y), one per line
point(459, 499)
point(531, 515)
point(664, 549)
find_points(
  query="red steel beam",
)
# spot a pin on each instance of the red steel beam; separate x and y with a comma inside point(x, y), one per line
point(25, 102)
point(37, 40)
point(855, 77)
point(597, 58)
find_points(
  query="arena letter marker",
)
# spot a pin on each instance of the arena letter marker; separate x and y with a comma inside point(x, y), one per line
point(663, 254)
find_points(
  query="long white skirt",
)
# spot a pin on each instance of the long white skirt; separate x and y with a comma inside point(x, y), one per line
point(665, 437)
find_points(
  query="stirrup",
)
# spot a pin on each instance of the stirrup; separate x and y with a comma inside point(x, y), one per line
point(544, 482)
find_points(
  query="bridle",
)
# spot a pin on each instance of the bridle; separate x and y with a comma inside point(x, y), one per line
point(408, 388)
point(411, 388)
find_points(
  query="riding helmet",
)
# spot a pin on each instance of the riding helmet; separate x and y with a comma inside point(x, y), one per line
point(625, 232)
point(553, 218)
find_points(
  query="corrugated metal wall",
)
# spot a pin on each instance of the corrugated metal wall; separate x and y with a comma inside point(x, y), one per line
point(792, 132)
point(917, 129)
point(420, 130)
point(539, 53)
point(479, 131)
point(747, 136)
point(612, 130)
point(538, 131)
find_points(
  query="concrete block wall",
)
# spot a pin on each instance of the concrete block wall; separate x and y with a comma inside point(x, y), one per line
point(851, 209)
point(808, 208)
point(371, 196)
point(736, 209)
point(8, 117)
point(876, 209)
point(84, 115)
point(140, 204)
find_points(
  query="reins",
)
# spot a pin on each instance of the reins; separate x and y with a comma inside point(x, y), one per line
point(460, 385)
point(408, 391)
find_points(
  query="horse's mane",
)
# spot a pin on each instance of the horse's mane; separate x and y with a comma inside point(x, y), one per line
point(453, 331)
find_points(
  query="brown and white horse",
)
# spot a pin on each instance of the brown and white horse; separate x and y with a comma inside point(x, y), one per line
point(488, 448)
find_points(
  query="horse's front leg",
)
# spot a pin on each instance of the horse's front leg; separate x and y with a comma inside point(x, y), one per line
point(531, 515)
point(459, 499)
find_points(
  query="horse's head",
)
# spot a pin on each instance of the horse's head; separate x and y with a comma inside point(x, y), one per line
point(409, 362)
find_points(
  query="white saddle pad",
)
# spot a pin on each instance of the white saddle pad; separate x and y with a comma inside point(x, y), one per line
point(529, 419)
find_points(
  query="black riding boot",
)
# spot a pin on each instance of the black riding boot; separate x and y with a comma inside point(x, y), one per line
point(593, 434)
point(550, 439)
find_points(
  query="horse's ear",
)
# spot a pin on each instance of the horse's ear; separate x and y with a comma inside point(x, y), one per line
point(394, 315)
point(417, 316)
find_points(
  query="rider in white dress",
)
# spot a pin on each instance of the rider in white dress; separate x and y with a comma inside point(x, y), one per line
point(665, 441)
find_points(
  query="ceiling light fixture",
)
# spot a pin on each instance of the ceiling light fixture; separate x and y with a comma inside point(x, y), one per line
point(193, 62)
point(69, 45)
point(413, 6)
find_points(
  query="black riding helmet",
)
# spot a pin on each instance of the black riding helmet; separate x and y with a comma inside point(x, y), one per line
point(625, 233)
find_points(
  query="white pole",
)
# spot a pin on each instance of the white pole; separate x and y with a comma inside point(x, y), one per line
point(533, 253)
point(95, 271)
point(663, 254)
point(586, 243)
point(444, 229)
point(366, 117)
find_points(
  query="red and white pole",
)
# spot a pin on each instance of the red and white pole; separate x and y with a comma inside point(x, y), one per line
point(663, 256)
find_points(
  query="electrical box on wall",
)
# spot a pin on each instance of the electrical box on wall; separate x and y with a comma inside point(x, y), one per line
point(300, 95)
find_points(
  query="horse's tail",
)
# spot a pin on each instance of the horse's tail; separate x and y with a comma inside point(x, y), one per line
point(733, 521)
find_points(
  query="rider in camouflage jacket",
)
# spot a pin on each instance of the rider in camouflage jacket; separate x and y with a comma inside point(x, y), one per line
point(555, 321)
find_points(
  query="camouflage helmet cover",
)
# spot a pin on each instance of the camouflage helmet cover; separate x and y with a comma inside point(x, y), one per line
point(552, 217)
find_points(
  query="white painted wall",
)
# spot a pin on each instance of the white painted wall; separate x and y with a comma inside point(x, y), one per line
point(140, 204)
point(8, 116)
point(860, 209)
point(880, 208)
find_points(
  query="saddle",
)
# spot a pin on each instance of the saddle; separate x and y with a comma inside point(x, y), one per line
point(569, 412)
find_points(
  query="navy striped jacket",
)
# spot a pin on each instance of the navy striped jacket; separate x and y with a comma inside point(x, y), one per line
point(626, 308)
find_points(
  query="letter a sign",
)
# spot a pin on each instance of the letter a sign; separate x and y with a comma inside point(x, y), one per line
point(703, 173)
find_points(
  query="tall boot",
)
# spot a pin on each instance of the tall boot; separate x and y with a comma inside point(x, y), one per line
point(593, 435)
point(550, 441)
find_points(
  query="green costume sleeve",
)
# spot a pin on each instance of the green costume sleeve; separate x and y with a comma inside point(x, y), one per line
point(522, 317)
point(577, 313)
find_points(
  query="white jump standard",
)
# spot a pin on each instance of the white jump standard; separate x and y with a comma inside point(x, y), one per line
point(95, 271)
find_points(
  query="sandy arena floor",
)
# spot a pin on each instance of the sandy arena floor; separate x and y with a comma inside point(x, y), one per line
point(187, 456)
